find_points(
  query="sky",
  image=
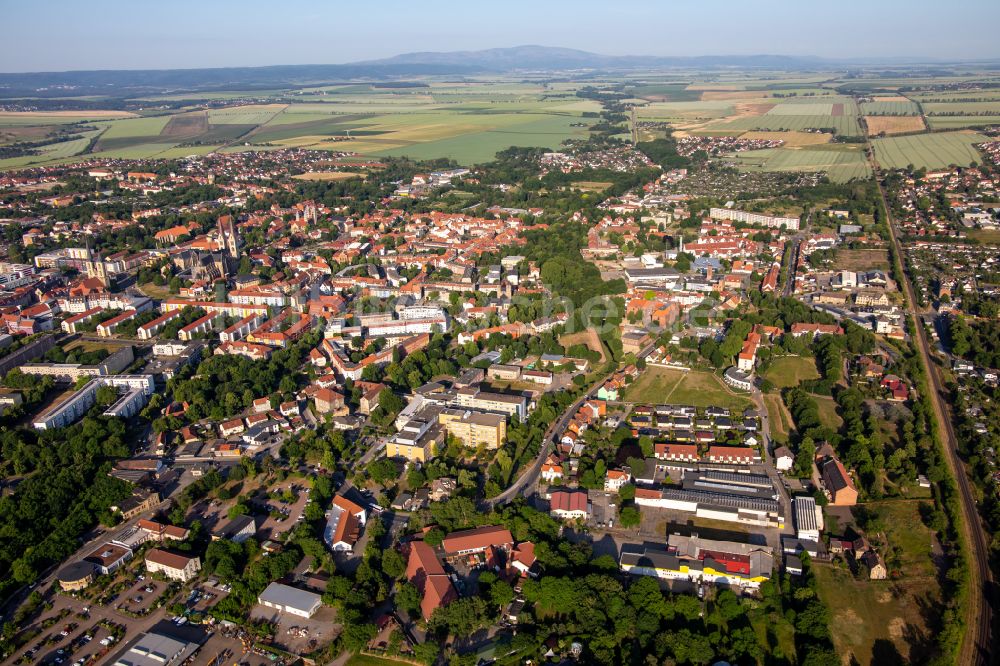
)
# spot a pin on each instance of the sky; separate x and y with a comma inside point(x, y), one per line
point(59, 35)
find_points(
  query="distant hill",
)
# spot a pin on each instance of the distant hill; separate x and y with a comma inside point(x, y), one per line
point(549, 57)
point(120, 84)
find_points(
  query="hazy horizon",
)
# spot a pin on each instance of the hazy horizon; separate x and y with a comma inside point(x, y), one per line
point(111, 34)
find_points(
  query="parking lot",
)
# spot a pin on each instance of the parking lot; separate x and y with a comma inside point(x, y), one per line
point(300, 635)
point(282, 514)
point(141, 597)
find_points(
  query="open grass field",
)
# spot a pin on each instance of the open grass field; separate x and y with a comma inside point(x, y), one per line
point(866, 612)
point(778, 418)
point(931, 151)
point(786, 371)
point(328, 175)
point(987, 236)
point(159, 292)
point(894, 124)
point(696, 387)
point(591, 185)
point(901, 611)
point(587, 337)
point(841, 162)
point(862, 260)
point(828, 412)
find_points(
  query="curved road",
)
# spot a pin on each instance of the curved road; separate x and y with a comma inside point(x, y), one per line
point(530, 477)
point(978, 646)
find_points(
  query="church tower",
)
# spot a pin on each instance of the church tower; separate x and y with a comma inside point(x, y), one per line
point(229, 235)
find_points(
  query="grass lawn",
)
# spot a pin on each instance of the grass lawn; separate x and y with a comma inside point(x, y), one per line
point(905, 529)
point(696, 387)
point(155, 291)
point(774, 631)
point(89, 346)
point(786, 371)
point(863, 612)
point(777, 418)
point(828, 412)
point(369, 660)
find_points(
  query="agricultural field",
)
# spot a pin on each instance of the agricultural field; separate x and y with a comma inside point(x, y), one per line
point(468, 122)
point(29, 118)
point(841, 162)
point(791, 139)
point(962, 108)
point(846, 125)
point(962, 122)
point(894, 124)
point(54, 151)
point(245, 115)
point(695, 387)
point(930, 151)
point(890, 106)
point(685, 111)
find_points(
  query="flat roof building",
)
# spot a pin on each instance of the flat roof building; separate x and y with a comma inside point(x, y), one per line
point(291, 600)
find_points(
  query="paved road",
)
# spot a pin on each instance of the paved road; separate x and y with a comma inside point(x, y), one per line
point(530, 477)
point(978, 646)
point(772, 472)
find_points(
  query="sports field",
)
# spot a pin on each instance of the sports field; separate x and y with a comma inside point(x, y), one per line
point(841, 162)
point(930, 151)
point(696, 387)
point(786, 371)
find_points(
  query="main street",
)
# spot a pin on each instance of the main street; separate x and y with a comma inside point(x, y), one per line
point(978, 646)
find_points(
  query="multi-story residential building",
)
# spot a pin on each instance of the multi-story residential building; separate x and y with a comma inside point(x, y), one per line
point(417, 441)
point(475, 429)
point(175, 566)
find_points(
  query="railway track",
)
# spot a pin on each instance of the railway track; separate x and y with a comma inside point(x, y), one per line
point(978, 646)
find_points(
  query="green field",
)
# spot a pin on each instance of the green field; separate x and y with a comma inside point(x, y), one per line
point(786, 371)
point(369, 660)
point(846, 125)
point(880, 108)
point(969, 108)
point(696, 387)
point(863, 612)
point(931, 151)
point(465, 121)
point(828, 412)
point(841, 162)
point(961, 122)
